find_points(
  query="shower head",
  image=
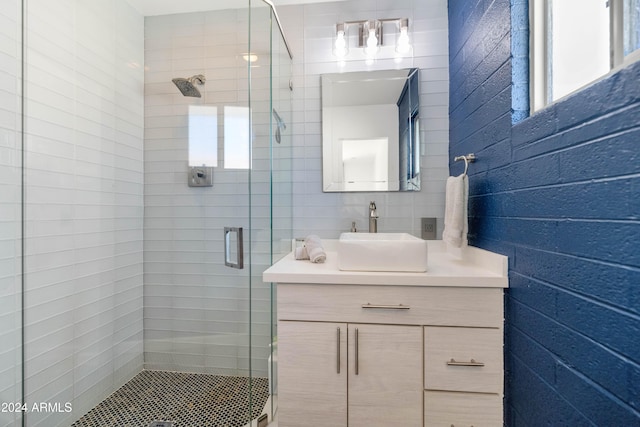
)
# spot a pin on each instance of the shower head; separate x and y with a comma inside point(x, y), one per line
point(187, 86)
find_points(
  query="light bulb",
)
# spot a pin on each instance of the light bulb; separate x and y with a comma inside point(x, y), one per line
point(372, 43)
point(403, 45)
point(340, 45)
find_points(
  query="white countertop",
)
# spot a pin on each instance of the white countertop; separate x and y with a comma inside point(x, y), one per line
point(466, 267)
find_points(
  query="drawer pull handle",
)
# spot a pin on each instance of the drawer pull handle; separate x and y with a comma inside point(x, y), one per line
point(472, 362)
point(386, 306)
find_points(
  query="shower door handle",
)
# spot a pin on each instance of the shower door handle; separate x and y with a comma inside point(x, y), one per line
point(239, 261)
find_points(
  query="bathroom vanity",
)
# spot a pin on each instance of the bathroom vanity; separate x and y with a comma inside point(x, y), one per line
point(391, 349)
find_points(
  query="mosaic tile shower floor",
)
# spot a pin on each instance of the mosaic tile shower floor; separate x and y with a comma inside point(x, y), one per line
point(189, 400)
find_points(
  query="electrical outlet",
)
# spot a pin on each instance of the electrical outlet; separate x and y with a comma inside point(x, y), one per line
point(428, 228)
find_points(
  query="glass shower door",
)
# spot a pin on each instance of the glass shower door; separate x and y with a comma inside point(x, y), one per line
point(206, 308)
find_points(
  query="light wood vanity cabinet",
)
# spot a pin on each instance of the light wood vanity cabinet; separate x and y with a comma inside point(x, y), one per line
point(424, 355)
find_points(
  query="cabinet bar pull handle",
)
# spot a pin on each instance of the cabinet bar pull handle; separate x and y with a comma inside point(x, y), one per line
point(472, 362)
point(357, 368)
point(386, 306)
point(338, 354)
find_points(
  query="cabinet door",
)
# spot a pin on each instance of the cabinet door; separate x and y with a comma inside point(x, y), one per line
point(312, 374)
point(385, 368)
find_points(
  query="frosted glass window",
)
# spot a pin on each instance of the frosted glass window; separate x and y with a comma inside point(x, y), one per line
point(203, 135)
point(237, 138)
point(579, 44)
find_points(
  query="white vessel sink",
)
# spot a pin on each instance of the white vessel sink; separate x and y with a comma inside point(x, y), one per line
point(400, 252)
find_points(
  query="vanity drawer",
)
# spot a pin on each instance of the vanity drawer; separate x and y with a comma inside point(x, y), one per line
point(409, 305)
point(447, 409)
point(463, 359)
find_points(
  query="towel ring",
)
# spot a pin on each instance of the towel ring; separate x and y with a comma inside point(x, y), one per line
point(469, 158)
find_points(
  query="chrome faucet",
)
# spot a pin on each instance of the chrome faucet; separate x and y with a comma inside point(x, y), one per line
point(373, 218)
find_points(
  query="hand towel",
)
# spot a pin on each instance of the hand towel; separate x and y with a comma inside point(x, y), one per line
point(455, 211)
point(314, 248)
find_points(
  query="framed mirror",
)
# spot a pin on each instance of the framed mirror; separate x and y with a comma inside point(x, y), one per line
point(370, 131)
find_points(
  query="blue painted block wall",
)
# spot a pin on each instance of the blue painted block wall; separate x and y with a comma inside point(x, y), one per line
point(559, 193)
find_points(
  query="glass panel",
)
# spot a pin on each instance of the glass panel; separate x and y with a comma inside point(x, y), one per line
point(200, 314)
point(271, 186)
point(11, 214)
point(281, 179)
point(260, 189)
point(579, 40)
point(196, 308)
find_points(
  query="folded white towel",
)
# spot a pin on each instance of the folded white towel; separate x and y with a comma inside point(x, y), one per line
point(455, 211)
point(314, 248)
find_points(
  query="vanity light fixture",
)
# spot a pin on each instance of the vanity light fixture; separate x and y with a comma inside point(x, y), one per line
point(371, 36)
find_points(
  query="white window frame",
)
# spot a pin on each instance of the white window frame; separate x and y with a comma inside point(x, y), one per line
point(539, 96)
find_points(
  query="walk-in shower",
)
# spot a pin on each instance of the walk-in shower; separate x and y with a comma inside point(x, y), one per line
point(113, 280)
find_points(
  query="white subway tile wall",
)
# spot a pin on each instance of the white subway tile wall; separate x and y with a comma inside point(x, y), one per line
point(84, 203)
point(10, 212)
point(310, 30)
